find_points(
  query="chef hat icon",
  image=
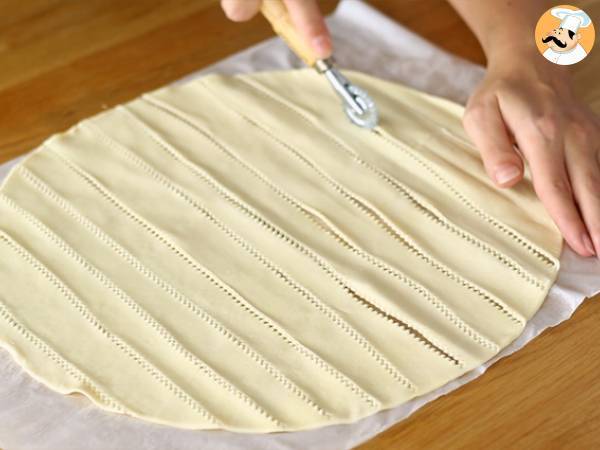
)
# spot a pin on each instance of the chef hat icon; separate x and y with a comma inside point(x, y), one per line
point(571, 19)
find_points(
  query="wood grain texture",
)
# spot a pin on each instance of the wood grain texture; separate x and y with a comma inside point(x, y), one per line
point(64, 60)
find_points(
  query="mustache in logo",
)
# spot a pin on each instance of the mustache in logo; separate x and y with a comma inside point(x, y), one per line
point(558, 42)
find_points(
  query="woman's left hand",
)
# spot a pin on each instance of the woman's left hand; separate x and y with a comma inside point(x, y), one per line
point(528, 102)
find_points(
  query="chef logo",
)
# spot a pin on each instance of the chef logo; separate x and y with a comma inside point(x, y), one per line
point(565, 35)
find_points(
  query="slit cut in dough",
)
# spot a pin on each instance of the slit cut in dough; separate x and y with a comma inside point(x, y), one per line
point(232, 253)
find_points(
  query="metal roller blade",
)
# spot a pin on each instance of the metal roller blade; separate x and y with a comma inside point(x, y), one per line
point(358, 105)
point(368, 116)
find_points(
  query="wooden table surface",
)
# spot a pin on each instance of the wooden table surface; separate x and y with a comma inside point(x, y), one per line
point(64, 60)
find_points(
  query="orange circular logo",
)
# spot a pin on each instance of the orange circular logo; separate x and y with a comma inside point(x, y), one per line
point(565, 35)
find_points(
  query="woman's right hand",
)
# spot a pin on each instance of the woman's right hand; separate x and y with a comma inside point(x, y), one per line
point(305, 15)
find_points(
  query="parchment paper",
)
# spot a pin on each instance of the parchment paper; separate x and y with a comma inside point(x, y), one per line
point(33, 417)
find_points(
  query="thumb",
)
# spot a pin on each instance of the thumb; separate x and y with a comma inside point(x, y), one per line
point(308, 20)
point(484, 124)
point(240, 10)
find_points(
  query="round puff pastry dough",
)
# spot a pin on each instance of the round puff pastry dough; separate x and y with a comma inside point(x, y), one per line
point(232, 253)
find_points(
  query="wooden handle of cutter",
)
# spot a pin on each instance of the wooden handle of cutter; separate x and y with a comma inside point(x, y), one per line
point(279, 17)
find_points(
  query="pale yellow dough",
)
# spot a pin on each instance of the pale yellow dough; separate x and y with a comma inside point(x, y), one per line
point(233, 253)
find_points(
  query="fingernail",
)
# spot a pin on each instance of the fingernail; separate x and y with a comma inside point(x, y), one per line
point(506, 173)
point(587, 243)
point(322, 46)
point(596, 241)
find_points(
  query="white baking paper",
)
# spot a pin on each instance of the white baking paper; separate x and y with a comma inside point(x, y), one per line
point(33, 417)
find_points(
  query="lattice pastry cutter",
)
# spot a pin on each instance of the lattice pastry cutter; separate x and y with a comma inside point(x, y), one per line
point(358, 105)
